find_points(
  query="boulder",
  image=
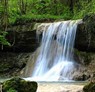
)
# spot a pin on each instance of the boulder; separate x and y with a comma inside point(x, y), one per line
point(85, 36)
point(89, 87)
point(19, 85)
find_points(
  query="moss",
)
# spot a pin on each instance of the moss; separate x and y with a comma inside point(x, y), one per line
point(4, 67)
point(19, 85)
point(89, 87)
point(11, 90)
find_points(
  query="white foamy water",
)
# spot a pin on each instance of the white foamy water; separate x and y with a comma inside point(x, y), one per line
point(60, 87)
point(55, 61)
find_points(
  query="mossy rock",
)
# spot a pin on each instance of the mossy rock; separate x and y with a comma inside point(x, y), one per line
point(89, 87)
point(85, 35)
point(19, 85)
point(83, 57)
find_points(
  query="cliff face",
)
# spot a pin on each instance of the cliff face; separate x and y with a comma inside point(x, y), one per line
point(22, 38)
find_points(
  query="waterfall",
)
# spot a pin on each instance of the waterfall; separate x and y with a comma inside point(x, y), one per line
point(55, 61)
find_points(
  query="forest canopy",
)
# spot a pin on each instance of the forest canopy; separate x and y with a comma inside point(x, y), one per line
point(57, 9)
point(12, 11)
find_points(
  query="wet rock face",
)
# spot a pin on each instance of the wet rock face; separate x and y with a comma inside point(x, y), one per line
point(83, 58)
point(22, 38)
point(85, 36)
point(14, 58)
point(86, 70)
point(81, 77)
point(22, 41)
point(19, 85)
point(12, 63)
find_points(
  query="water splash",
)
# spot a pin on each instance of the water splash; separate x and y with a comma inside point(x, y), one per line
point(55, 61)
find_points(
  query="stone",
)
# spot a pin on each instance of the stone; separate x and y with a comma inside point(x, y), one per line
point(86, 65)
point(19, 85)
point(82, 57)
point(85, 36)
point(89, 87)
point(81, 77)
point(12, 63)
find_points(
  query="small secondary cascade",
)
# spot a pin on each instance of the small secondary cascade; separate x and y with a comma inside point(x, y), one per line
point(55, 61)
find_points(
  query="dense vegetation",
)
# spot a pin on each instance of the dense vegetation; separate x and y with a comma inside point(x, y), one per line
point(12, 11)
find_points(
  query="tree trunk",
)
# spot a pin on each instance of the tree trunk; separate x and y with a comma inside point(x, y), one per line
point(22, 6)
point(4, 15)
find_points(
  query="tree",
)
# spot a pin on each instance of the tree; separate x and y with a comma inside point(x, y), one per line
point(3, 21)
point(69, 3)
point(22, 6)
point(4, 14)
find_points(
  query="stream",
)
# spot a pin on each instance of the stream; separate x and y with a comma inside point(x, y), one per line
point(60, 86)
point(57, 86)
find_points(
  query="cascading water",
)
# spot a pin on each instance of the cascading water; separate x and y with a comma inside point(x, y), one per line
point(55, 61)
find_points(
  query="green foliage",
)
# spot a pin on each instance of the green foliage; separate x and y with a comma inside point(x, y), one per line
point(14, 11)
point(29, 10)
point(50, 9)
point(11, 90)
point(40, 17)
point(3, 22)
point(83, 7)
point(40, 9)
point(3, 40)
